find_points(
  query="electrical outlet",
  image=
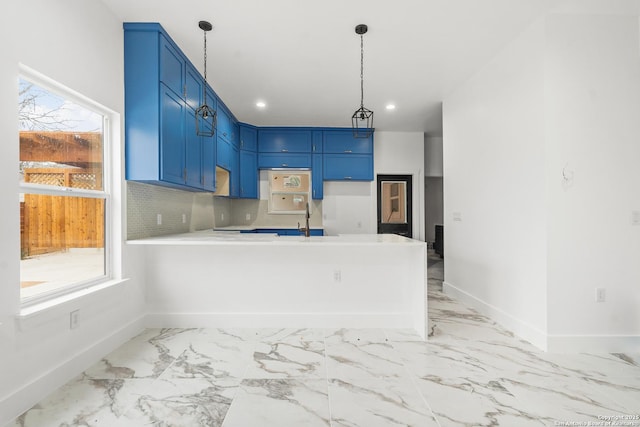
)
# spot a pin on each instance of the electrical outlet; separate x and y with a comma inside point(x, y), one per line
point(184, 218)
point(601, 295)
point(159, 219)
point(457, 216)
point(248, 217)
point(635, 217)
point(74, 319)
point(337, 276)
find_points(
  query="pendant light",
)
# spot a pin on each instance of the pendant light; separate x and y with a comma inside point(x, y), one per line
point(206, 117)
point(362, 119)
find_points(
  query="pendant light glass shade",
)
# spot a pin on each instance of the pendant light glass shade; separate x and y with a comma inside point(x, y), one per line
point(362, 118)
point(206, 117)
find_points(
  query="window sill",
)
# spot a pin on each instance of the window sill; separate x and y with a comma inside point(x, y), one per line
point(56, 307)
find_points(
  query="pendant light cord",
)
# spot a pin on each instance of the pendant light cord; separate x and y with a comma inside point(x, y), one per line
point(361, 71)
point(205, 68)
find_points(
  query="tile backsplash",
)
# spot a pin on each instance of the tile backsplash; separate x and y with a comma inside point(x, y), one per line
point(257, 212)
point(145, 202)
point(201, 211)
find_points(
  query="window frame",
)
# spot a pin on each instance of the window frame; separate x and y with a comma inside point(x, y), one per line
point(110, 122)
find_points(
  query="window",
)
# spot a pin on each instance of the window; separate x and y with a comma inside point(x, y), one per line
point(64, 193)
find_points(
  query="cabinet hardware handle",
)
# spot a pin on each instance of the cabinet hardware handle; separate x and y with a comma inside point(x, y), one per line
point(284, 165)
point(284, 150)
point(348, 151)
point(347, 177)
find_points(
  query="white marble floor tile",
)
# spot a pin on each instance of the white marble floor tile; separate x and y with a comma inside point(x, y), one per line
point(288, 360)
point(182, 403)
point(212, 359)
point(378, 403)
point(145, 356)
point(280, 402)
point(573, 400)
point(354, 336)
point(373, 360)
point(290, 335)
point(402, 335)
point(474, 401)
point(85, 402)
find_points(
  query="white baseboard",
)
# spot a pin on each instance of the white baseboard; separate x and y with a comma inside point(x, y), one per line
point(279, 320)
point(30, 394)
point(546, 342)
point(520, 328)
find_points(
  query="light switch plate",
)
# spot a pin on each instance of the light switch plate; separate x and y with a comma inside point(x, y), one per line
point(635, 217)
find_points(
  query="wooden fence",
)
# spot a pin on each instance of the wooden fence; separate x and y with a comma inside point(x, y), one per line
point(58, 223)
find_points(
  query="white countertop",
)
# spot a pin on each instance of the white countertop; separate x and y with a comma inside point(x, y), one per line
point(211, 237)
point(253, 227)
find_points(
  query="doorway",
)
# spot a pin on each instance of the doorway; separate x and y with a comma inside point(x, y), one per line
point(394, 205)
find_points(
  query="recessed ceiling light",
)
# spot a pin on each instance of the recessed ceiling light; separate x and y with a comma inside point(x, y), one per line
point(261, 104)
point(390, 107)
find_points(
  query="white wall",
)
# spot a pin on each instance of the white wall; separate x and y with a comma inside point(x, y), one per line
point(593, 104)
point(532, 246)
point(494, 179)
point(350, 207)
point(79, 44)
point(433, 155)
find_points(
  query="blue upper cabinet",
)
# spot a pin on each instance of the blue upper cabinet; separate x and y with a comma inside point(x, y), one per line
point(162, 91)
point(225, 126)
point(172, 141)
point(346, 158)
point(172, 64)
point(284, 140)
point(317, 174)
point(342, 141)
point(248, 162)
point(194, 88)
point(248, 138)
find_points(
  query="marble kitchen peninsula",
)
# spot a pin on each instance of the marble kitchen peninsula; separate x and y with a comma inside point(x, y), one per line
point(221, 279)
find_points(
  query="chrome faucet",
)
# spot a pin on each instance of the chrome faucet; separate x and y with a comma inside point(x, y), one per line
point(306, 230)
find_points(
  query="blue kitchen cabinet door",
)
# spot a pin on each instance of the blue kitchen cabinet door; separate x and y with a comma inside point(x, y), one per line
point(234, 172)
point(248, 174)
point(225, 127)
point(317, 141)
point(172, 142)
point(172, 67)
point(348, 167)
point(317, 184)
point(194, 86)
point(248, 138)
point(193, 153)
point(342, 141)
point(209, 163)
point(284, 140)
point(224, 154)
point(209, 151)
point(283, 160)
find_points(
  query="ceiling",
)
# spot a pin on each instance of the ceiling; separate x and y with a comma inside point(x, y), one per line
point(302, 57)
